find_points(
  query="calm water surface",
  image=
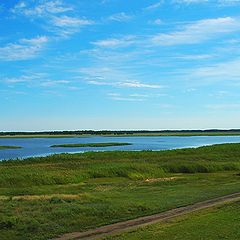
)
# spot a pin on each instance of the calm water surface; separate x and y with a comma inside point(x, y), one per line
point(41, 146)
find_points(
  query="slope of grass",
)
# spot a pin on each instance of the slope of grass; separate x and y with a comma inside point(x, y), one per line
point(109, 144)
point(213, 224)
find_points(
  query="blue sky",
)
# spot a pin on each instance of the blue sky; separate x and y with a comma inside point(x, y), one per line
point(115, 64)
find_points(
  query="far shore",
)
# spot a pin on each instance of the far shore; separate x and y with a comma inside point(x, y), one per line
point(82, 134)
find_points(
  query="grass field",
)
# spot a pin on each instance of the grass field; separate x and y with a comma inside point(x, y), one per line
point(9, 147)
point(43, 197)
point(216, 223)
point(110, 144)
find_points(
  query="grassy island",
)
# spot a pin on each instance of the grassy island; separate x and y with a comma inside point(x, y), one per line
point(9, 147)
point(111, 144)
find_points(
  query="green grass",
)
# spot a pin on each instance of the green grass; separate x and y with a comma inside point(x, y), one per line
point(110, 144)
point(46, 196)
point(9, 147)
point(216, 223)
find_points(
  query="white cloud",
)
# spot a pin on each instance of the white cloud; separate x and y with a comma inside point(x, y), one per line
point(64, 26)
point(196, 57)
point(198, 32)
point(137, 84)
point(35, 80)
point(24, 49)
point(41, 8)
point(107, 76)
point(54, 16)
point(115, 42)
point(224, 71)
point(155, 5)
point(222, 3)
point(228, 2)
point(65, 21)
point(157, 22)
point(128, 99)
point(50, 83)
point(224, 106)
point(34, 41)
point(124, 84)
point(120, 17)
point(190, 1)
point(29, 78)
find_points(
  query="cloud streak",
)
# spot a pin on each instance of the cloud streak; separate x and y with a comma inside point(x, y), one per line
point(198, 32)
point(24, 49)
point(55, 16)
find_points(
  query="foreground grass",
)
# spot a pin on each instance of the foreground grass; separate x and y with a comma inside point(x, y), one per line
point(9, 147)
point(43, 197)
point(110, 144)
point(213, 224)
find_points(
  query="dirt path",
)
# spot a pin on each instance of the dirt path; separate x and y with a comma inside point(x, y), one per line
point(127, 225)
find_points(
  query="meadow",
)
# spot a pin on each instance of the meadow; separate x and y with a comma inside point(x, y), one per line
point(44, 197)
point(221, 222)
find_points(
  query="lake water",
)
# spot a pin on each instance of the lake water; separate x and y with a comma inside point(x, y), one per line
point(41, 146)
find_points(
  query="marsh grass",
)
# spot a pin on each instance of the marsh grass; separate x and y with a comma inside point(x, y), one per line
point(77, 168)
point(43, 197)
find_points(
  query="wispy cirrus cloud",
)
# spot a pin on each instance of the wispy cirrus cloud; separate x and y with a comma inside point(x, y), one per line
point(154, 5)
point(190, 1)
point(41, 8)
point(229, 2)
point(194, 32)
point(36, 79)
point(115, 42)
point(198, 31)
point(128, 98)
point(124, 84)
point(223, 71)
point(157, 21)
point(65, 25)
point(120, 17)
point(221, 3)
point(55, 16)
point(106, 76)
point(24, 49)
point(224, 106)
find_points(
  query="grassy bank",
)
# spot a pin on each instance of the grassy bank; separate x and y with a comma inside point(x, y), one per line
point(111, 144)
point(9, 147)
point(213, 224)
point(43, 197)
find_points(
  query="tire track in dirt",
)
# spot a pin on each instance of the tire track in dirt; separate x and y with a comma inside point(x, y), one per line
point(142, 221)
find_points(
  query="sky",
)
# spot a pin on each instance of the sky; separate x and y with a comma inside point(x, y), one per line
point(118, 64)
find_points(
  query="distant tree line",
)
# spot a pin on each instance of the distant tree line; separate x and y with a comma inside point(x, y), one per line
point(117, 132)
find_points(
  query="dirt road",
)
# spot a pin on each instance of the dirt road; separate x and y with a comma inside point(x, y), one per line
point(134, 223)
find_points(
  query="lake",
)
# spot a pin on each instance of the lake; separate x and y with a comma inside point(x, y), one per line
point(41, 146)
